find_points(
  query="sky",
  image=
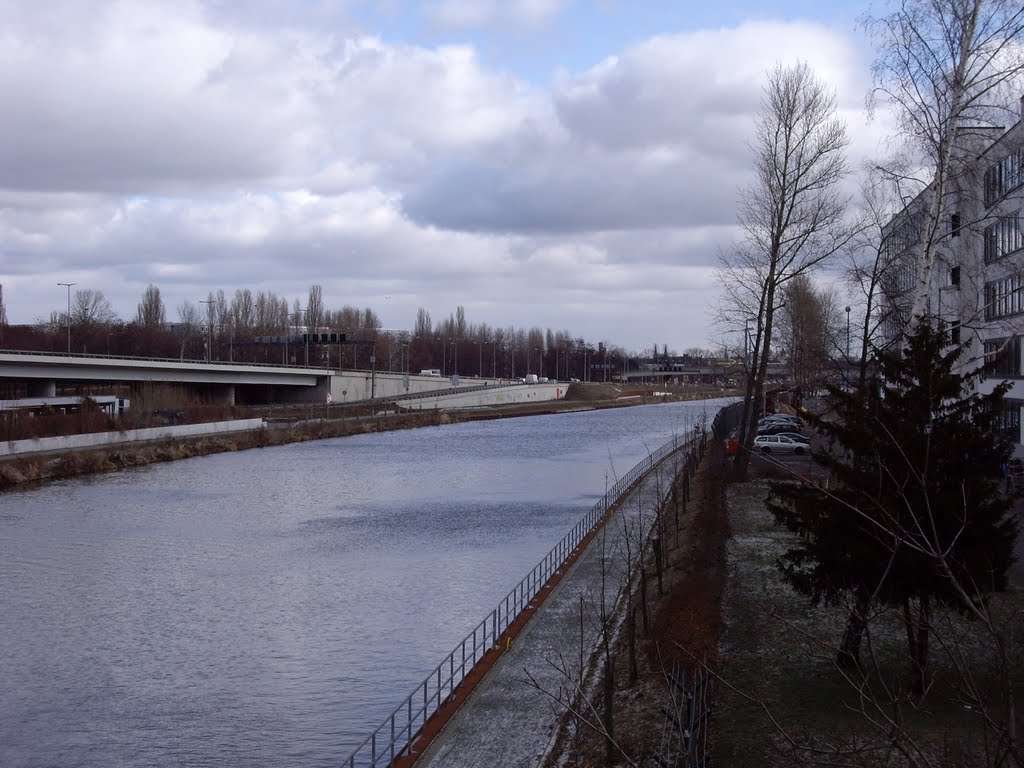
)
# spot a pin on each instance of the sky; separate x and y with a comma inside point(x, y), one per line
point(564, 164)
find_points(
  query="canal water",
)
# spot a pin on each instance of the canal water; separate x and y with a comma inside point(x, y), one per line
point(271, 607)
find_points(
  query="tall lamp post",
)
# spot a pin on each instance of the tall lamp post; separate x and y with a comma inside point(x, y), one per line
point(69, 312)
point(209, 326)
point(300, 311)
point(847, 333)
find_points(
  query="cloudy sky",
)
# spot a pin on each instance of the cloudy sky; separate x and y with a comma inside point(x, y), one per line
point(571, 164)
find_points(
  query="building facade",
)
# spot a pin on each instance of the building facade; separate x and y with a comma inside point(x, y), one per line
point(977, 281)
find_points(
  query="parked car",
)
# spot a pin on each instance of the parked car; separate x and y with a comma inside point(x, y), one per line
point(775, 428)
point(796, 436)
point(777, 417)
point(778, 444)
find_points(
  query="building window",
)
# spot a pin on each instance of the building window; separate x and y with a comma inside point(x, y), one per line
point(1004, 297)
point(954, 225)
point(954, 276)
point(954, 332)
point(1003, 177)
point(1008, 420)
point(1002, 357)
point(1003, 236)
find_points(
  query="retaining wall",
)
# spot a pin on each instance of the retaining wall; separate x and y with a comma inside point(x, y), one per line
point(102, 439)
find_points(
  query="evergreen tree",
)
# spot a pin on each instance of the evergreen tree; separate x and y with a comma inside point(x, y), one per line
point(914, 514)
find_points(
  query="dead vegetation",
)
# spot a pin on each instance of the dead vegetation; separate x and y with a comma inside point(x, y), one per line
point(682, 630)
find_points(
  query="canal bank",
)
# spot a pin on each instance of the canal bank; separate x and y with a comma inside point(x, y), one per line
point(37, 463)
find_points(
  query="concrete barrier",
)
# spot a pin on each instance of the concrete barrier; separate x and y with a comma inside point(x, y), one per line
point(477, 398)
point(105, 439)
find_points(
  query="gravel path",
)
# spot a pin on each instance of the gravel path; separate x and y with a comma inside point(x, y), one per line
point(507, 721)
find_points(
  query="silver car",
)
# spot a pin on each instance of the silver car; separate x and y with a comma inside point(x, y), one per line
point(779, 444)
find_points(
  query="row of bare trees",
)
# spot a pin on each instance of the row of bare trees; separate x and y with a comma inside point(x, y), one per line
point(237, 326)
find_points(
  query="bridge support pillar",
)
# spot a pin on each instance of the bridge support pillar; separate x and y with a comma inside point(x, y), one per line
point(225, 395)
point(42, 388)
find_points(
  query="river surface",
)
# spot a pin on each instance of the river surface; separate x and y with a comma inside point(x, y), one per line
point(271, 607)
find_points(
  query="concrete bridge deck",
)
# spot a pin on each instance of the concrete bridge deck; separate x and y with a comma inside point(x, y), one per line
point(229, 383)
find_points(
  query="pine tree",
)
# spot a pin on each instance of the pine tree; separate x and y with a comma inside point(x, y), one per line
point(914, 515)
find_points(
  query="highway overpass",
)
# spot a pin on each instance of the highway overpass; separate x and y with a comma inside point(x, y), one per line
point(47, 375)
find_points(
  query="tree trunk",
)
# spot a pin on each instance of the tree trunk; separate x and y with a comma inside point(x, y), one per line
point(609, 711)
point(658, 565)
point(631, 631)
point(856, 623)
point(645, 615)
point(918, 629)
point(920, 670)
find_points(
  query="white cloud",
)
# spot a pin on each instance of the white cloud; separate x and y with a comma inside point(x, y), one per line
point(170, 143)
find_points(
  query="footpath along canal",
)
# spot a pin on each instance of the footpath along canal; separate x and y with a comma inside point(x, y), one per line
point(510, 718)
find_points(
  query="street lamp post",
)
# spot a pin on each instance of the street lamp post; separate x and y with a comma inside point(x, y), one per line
point(306, 334)
point(746, 343)
point(847, 333)
point(209, 326)
point(69, 312)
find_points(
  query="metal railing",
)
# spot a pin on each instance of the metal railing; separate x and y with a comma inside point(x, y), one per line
point(393, 738)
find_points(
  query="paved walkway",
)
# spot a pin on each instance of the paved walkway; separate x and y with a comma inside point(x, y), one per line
point(507, 720)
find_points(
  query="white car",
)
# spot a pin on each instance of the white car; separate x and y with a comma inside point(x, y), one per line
point(779, 444)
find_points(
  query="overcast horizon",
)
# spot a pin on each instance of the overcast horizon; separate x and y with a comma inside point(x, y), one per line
point(567, 165)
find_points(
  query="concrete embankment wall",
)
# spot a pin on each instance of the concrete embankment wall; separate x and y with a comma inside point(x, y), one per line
point(526, 393)
point(349, 386)
point(106, 439)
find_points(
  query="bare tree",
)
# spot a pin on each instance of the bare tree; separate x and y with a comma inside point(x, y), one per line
point(807, 329)
point(314, 308)
point(944, 67)
point(150, 312)
point(90, 307)
point(792, 215)
point(243, 312)
point(190, 323)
